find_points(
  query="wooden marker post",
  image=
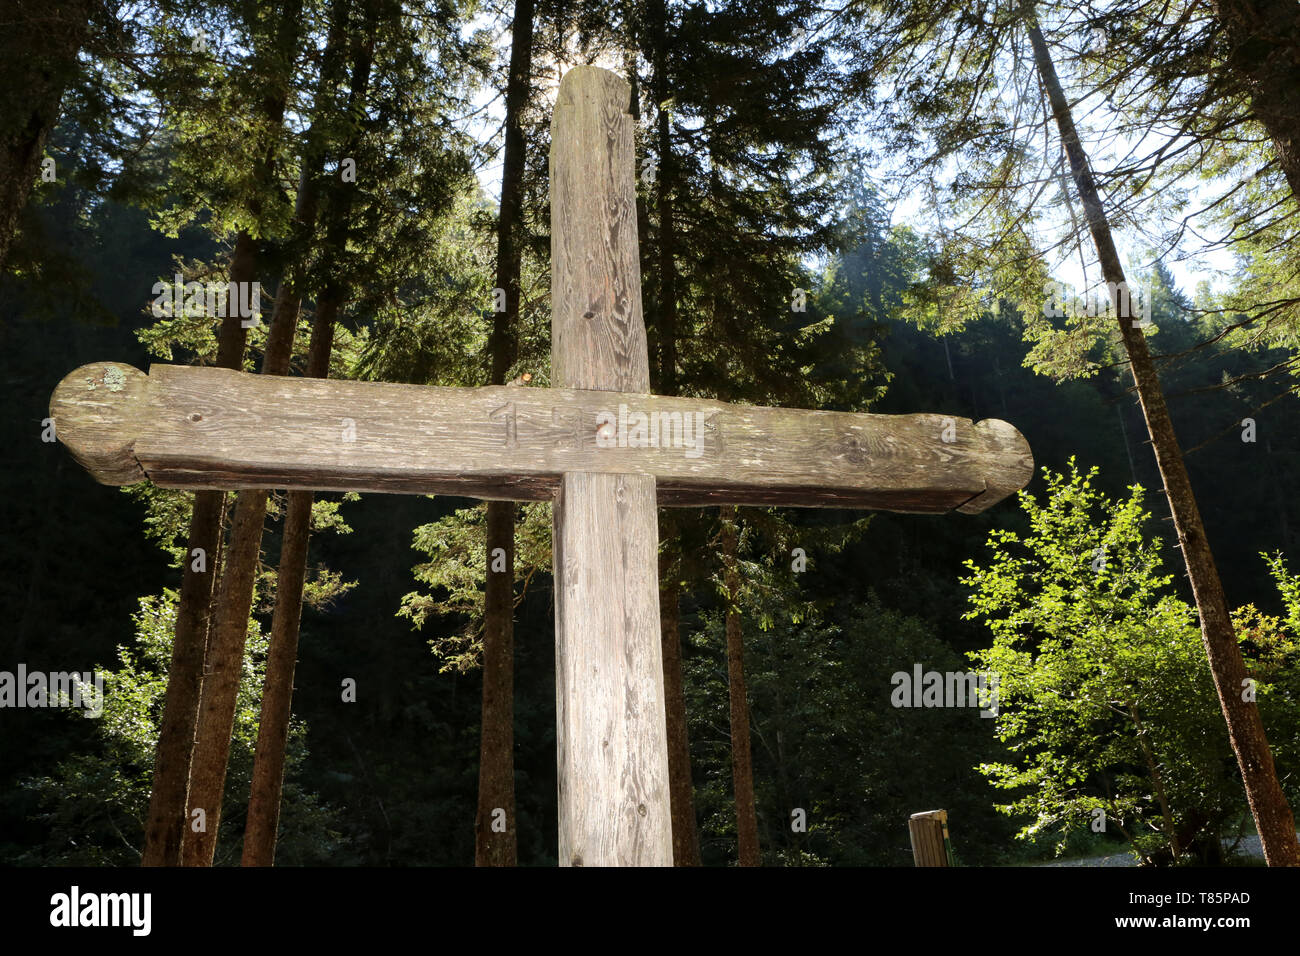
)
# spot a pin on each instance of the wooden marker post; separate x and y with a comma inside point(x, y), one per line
point(611, 734)
point(930, 843)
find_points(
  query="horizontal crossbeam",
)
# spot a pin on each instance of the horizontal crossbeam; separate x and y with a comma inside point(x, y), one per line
point(197, 428)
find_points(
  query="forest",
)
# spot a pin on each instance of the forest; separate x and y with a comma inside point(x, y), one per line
point(1076, 217)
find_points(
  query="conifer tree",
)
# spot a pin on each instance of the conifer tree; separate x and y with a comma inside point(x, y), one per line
point(1272, 814)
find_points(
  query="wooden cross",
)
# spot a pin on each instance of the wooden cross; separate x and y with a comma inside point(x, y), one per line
point(597, 444)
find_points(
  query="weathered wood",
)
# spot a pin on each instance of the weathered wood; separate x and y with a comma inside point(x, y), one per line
point(216, 428)
point(929, 833)
point(96, 413)
point(611, 743)
point(612, 746)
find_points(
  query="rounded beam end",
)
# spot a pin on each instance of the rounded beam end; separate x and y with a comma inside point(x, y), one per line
point(94, 410)
point(1013, 463)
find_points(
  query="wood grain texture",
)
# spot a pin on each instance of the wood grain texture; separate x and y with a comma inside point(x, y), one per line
point(612, 744)
point(598, 337)
point(926, 831)
point(216, 428)
point(611, 735)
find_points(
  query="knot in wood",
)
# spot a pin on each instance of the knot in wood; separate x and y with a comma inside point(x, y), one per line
point(853, 449)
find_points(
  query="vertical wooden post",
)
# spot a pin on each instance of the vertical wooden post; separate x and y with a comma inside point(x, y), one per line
point(611, 738)
point(930, 844)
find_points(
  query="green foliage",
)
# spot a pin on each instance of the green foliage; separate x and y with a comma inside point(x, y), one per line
point(430, 324)
point(95, 802)
point(746, 195)
point(1106, 701)
point(1223, 185)
point(1271, 646)
point(167, 517)
point(456, 575)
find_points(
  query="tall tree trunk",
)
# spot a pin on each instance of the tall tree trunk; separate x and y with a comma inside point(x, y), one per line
point(686, 842)
point(228, 630)
point(169, 819)
point(1264, 52)
point(223, 668)
point(228, 635)
point(282, 656)
point(235, 596)
point(262, 825)
point(39, 46)
point(495, 837)
point(742, 761)
point(1245, 728)
point(166, 825)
